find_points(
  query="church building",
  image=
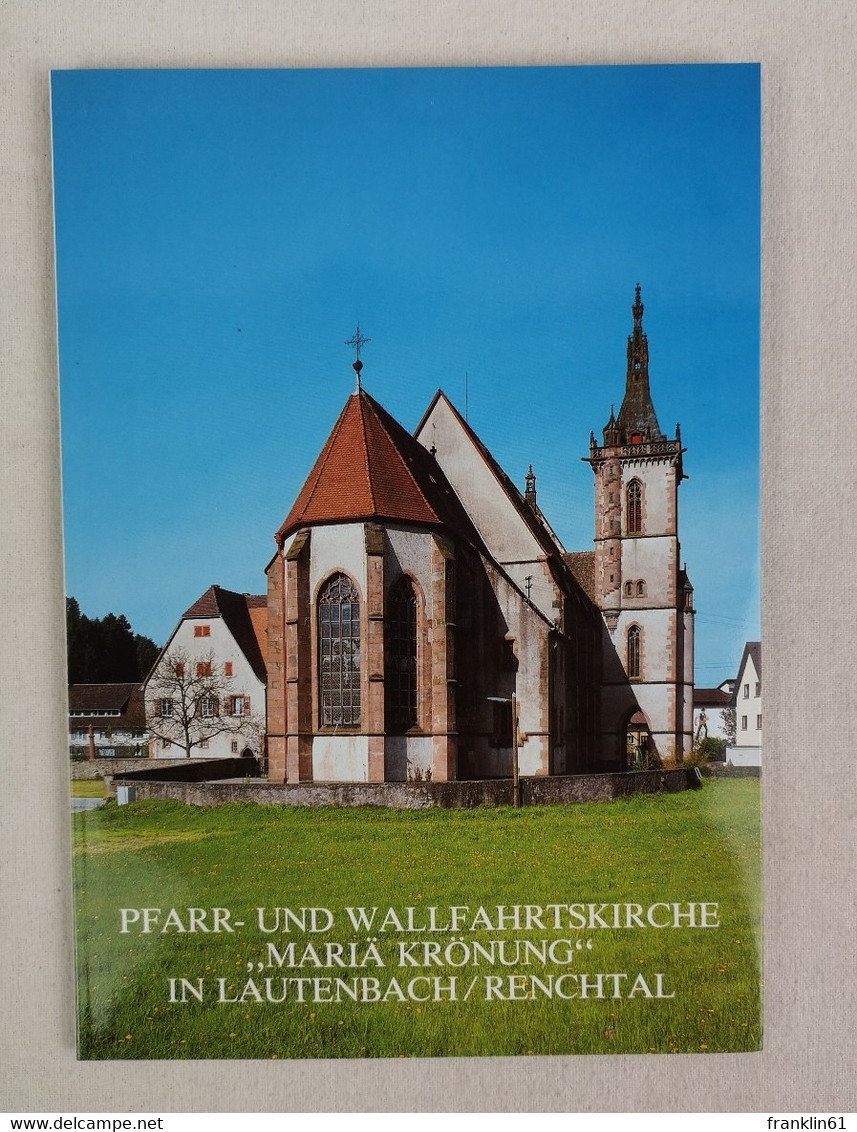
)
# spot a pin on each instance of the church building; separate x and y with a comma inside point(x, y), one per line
point(416, 596)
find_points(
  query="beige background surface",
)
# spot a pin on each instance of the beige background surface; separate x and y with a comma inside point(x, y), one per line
point(809, 374)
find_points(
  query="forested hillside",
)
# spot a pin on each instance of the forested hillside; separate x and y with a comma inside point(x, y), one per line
point(105, 650)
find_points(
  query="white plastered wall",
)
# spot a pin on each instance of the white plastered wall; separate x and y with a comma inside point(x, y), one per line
point(748, 707)
point(340, 546)
point(504, 532)
point(658, 480)
point(223, 647)
point(340, 758)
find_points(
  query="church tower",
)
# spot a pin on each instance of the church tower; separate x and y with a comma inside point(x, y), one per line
point(641, 588)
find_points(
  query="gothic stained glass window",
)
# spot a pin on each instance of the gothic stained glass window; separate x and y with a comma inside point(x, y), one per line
point(339, 652)
point(401, 675)
point(634, 652)
point(635, 507)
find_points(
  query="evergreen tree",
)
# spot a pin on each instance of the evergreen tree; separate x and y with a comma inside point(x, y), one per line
point(147, 654)
point(105, 650)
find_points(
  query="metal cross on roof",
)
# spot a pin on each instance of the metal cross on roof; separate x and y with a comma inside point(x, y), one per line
point(357, 340)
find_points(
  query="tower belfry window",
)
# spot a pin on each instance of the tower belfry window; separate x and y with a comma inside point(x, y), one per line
point(635, 507)
point(339, 652)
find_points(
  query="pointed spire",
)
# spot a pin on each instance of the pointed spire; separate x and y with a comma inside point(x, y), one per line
point(637, 309)
point(638, 346)
point(611, 430)
point(637, 414)
point(530, 489)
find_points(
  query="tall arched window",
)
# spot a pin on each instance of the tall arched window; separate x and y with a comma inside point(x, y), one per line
point(634, 653)
point(635, 507)
point(401, 674)
point(339, 652)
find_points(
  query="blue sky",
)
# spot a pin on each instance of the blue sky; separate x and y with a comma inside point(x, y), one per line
point(219, 235)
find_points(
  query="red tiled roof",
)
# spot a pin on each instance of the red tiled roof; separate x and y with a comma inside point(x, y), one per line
point(259, 620)
point(205, 606)
point(372, 468)
point(582, 565)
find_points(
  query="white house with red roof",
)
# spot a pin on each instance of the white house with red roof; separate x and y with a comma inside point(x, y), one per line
point(219, 648)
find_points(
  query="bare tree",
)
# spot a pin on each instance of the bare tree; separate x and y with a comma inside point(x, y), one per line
point(190, 699)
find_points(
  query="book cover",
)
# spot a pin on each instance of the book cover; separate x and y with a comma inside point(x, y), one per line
point(429, 723)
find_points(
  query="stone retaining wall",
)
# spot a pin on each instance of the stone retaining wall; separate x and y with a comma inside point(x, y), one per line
point(559, 790)
point(195, 770)
point(107, 768)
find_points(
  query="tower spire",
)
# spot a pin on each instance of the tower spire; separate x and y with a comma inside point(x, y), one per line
point(637, 415)
point(637, 310)
point(530, 488)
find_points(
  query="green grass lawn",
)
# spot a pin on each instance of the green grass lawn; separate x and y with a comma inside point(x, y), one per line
point(87, 788)
point(700, 846)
